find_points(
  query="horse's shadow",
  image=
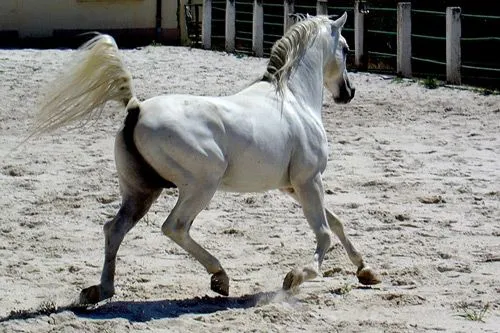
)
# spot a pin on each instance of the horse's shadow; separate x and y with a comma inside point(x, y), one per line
point(142, 311)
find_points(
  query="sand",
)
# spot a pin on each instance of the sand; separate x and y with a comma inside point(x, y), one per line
point(413, 172)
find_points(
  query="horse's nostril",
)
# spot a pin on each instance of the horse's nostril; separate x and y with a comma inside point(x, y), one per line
point(353, 91)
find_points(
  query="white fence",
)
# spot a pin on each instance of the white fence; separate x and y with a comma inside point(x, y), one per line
point(404, 52)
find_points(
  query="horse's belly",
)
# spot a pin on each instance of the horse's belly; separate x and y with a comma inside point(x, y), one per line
point(255, 175)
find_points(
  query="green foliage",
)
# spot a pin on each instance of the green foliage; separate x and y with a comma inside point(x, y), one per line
point(472, 313)
point(430, 83)
point(397, 79)
point(155, 43)
point(240, 55)
point(487, 92)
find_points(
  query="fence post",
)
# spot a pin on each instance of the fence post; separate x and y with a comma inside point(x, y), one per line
point(287, 11)
point(403, 66)
point(230, 25)
point(206, 28)
point(453, 51)
point(322, 7)
point(258, 28)
point(359, 38)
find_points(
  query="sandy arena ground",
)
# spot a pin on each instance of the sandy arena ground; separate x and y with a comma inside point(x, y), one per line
point(413, 172)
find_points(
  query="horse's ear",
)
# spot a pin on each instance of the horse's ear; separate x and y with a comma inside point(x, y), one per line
point(339, 23)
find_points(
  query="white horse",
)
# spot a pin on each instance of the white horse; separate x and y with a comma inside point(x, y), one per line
point(268, 136)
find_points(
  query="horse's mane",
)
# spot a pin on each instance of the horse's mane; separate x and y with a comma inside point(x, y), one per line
point(289, 50)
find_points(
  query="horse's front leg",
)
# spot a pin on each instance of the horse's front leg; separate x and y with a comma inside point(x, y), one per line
point(310, 196)
point(365, 274)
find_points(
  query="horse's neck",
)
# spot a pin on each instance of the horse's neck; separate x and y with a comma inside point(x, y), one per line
point(306, 82)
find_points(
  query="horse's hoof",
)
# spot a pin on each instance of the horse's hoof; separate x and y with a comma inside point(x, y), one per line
point(293, 279)
point(90, 295)
point(368, 277)
point(220, 283)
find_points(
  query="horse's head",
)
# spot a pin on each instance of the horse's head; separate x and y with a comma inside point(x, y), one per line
point(335, 72)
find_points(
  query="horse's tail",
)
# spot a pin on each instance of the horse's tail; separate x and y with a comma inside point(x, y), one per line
point(97, 76)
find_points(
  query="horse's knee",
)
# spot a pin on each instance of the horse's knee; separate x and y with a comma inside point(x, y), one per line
point(116, 224)
point(109, 227)
point(167, 229)
point(324, 238)
point(175, 229)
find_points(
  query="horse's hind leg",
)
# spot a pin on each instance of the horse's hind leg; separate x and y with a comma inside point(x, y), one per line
point(134, 207)
point(191, 201)
point(364, 273)
point(139, 189)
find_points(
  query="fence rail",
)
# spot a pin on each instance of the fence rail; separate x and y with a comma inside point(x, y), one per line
point(261, 42)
